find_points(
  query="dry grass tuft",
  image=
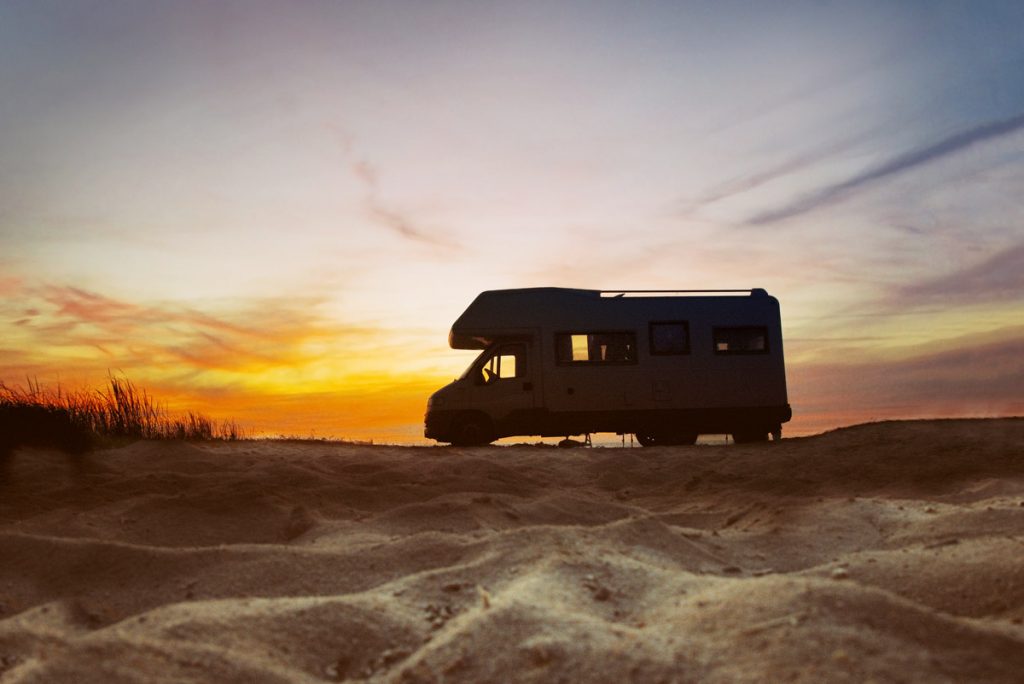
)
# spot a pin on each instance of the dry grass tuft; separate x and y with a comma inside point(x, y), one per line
point(36, 415)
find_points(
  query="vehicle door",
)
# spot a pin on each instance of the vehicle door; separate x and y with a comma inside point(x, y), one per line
point(506, 386)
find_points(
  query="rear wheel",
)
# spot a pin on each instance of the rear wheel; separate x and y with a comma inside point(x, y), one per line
point(750, 436)
point(472, 431)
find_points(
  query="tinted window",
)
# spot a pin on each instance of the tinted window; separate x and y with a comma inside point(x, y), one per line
point(670, 338)
point(611, 347)
point(749, 339)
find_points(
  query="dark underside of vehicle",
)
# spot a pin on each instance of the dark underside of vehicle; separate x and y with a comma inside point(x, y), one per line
point(651, 426)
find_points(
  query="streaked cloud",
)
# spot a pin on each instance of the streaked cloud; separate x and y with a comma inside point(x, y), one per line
point(784, 168)
point(401, 223)
point(978, 375)
point(998, 278)
point(245, 338)
point(905, 162)
point(10, 285)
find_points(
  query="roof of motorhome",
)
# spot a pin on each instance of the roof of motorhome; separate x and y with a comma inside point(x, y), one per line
point(505, 313)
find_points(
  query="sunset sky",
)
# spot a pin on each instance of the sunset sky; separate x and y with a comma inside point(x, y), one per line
point(274, 211)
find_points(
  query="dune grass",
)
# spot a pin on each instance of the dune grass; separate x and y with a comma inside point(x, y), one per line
point(119, 410)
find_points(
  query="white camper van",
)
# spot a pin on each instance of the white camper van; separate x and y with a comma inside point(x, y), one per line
point(666, 366)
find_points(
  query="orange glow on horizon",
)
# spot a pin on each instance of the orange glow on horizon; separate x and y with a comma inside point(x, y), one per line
point(388, 413)
point(287, 368)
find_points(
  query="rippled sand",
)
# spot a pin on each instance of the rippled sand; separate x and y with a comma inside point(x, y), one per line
point(886, 552)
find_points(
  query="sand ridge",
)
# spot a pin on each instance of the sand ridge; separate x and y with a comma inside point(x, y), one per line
point(886, 552)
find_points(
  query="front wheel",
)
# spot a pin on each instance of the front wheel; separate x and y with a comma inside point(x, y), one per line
point(472, 432)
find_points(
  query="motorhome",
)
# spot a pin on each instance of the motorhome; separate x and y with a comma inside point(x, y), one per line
point(666, 366)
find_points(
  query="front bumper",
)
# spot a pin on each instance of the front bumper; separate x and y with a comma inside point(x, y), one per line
point(437, 424)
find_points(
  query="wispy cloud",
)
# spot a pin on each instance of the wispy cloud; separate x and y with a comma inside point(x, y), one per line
point(998, 278)
point(389, 216)
point(76, 305)
point(9, 285)
point(253, 337)
point(975, 375)
point(785, 168)
point(904, 162)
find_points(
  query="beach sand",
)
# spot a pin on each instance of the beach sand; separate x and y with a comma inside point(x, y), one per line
point(884, 552)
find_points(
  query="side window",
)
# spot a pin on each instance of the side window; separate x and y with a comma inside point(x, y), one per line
point(508, 361)
point(512, 361)
point(596, 348)
point(748, 339)
point(670, 338)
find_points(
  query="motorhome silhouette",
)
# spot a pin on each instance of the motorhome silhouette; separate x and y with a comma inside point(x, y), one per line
point(664, 365)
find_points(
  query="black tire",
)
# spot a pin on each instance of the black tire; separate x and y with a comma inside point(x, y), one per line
point(750, 436)
point(646, 439)
point(649, 439)
point(472, 431)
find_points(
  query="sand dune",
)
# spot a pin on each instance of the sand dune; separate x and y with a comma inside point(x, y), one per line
point(886, 552)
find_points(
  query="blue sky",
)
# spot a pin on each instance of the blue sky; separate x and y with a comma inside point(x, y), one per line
point(331, 183)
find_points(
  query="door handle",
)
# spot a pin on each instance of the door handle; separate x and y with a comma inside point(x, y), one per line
point(527, 386)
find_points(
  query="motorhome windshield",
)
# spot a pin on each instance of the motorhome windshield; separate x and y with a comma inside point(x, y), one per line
point(473, 364)
point(500, 361)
